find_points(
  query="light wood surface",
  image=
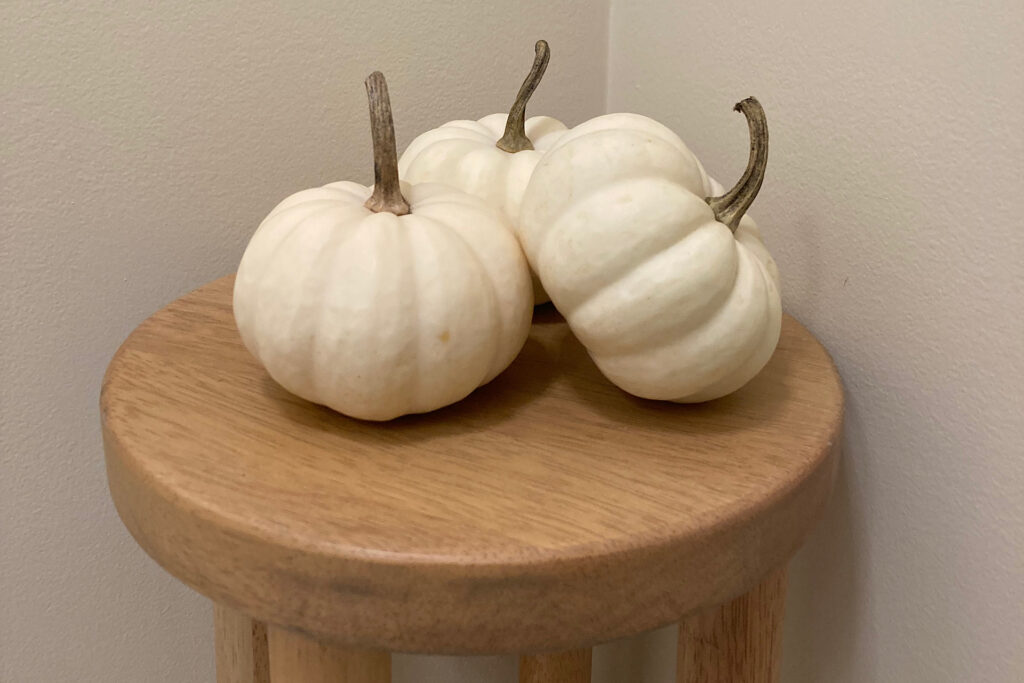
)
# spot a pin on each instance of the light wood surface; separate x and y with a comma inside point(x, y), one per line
point(295, 658)
point(572, 666)
point(547, 511)
point(737, 642)
point(241, 647)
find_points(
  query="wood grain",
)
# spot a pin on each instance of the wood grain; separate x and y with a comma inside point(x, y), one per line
point(737, 642)
point(572, 666)
point(547, 511)
point(241, 646)
point(295, 658)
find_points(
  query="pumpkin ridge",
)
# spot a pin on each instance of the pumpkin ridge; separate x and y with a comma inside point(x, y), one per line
point(660, 159)
point(552, 132)
point(446, 133)
point(329, 203)
point(495, 131)
point(749, 235)
point(303, 277)
point(279, 210)
point(330, 251)
point(472, 125)
point(569, 139)
point(723, 371)
point(659, 133)
point(274, 249)
point(437, 159)
point(554, 226)
point(652, 339)
point(358, 192)
point(465, 169)
point(498, 325)
point(771, 332)
point(412, 402)
point(459, 200)
point(524, 162)
point(661, 163)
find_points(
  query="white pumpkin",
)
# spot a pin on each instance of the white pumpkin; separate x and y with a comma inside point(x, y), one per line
point(492, 158)
point(673, 294)
point(353, 298)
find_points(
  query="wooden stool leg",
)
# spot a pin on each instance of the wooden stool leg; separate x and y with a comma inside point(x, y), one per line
point(738, 642)
point(571, 666)
point(241, 646)
point(295, 658)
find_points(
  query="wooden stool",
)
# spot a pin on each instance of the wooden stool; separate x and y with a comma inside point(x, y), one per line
point(547, 512)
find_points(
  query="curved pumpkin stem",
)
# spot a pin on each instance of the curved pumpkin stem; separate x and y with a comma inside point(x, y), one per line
point(387, 192)
point(515, 140)
point(730, 207)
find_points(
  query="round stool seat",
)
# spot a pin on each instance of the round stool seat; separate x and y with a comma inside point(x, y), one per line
point(546, 511)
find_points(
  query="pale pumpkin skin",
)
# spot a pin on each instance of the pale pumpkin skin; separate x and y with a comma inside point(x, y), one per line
point(464, 154)
point(378, 315)
point(488, 158)
point(669, 303)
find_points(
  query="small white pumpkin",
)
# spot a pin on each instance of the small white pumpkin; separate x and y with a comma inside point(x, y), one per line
point(492, 158)
point(356, 299)
point(673, 293)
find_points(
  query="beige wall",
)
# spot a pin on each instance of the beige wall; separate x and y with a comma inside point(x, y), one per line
point(142, 143)
point(893, 205)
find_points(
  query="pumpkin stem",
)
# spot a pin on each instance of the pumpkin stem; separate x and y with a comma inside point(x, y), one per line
point(515, 140)
point(730, 207)
point(387, 192)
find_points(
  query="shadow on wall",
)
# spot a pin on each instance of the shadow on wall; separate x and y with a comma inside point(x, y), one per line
point(440, 669)
point(646, 658)
point(825, 604)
